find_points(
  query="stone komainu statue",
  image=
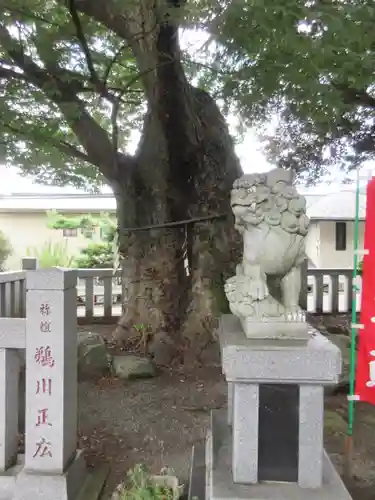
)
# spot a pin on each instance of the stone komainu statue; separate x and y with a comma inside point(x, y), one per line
point(271, 216)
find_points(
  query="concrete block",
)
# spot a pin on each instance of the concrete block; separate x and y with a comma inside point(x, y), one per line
point(245, 433)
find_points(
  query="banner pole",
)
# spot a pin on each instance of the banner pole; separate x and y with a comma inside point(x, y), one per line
point(355, 288)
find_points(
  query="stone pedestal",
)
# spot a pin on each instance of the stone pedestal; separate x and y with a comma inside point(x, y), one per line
point(270, 443)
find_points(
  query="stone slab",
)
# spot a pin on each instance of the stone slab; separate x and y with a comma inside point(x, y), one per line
point(220, 485)
point(67, 486)
point(276, 361)
point(278, 430)
point(94, 484)
point(196, 489)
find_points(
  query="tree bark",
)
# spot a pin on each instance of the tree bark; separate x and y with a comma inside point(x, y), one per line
point(159, 294)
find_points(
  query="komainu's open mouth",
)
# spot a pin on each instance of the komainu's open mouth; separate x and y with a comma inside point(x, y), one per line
point(240, 205)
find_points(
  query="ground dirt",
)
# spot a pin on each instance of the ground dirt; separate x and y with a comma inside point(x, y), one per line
point(156, 422)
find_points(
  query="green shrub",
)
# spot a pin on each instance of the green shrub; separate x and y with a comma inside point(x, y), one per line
point(95, 255)
point(99, 254)
point(140, 486)
point(51, 254)
point(5, 250)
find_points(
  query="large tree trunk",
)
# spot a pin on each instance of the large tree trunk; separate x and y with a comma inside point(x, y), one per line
point(159, 293)
point(184, 169)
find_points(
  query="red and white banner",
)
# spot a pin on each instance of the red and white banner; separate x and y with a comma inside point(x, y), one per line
point(365, 376)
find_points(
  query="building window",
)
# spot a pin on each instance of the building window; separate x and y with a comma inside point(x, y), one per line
point(87, 232)
point(340, 236)
point(70, 232)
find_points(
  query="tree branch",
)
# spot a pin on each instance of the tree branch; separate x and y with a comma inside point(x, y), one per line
point(110, 14)
point(355, 96)
point(69, 149)
point(113, 61)
point(10, 74)
point(82, 40)
point(76, 80)
point(63, 146)
point(90, 134)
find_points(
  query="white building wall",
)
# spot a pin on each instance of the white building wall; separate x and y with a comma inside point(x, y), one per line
point(329, 257)
point(28, 230)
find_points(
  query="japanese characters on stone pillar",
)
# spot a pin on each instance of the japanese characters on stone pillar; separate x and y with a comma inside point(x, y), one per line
point(51, 360)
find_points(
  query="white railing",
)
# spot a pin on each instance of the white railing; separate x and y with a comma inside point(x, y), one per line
point(330, 291)
point(99, 293)
point(12, 294)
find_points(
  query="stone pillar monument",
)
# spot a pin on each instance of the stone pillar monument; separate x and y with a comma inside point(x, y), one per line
point(269, 445)
point(53, 468)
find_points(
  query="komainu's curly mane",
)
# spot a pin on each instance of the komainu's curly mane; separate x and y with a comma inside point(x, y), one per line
point(257, 199)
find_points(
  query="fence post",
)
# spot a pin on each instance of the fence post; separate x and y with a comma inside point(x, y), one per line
point(53, 467)
point(304, 285)
point(29, 264)
point(9, 369)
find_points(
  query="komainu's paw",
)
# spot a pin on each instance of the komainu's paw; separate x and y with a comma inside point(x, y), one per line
point(295, 314)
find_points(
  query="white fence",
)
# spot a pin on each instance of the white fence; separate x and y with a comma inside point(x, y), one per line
point(331, 291)
point(99, 293)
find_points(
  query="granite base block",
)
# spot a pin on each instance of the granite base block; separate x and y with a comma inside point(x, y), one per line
point(30, 485)
point(8, 479)
point(219, 478)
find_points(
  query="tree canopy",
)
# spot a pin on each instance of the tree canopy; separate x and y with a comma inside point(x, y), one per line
point(76, 77)
point(308, 67)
